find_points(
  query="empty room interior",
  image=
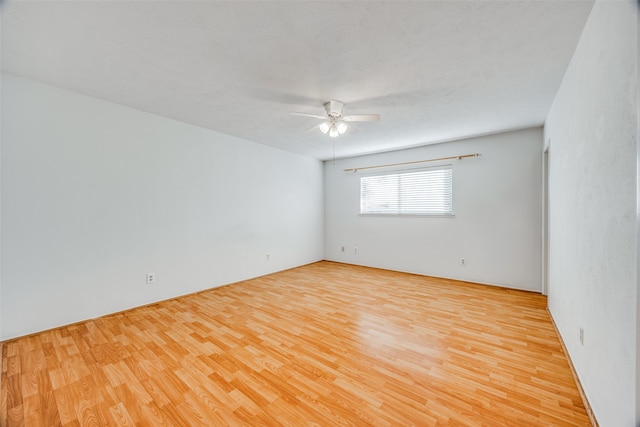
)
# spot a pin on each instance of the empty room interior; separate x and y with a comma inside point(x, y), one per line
point(385, 213)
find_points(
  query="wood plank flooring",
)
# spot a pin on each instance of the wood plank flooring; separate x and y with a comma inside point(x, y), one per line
point(321, 345)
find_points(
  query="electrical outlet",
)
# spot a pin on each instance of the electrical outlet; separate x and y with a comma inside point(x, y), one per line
point(581, 336)
point(151, 278)
point(342, 249)
point(355, 250)
point(463, 262)
point(268, 256)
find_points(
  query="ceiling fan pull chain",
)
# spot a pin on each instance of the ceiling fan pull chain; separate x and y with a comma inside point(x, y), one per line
point(334, 152)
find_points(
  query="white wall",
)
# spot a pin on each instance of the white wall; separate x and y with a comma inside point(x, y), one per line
point(95, 195)
point(496, 227)
point(638, 219)
point(593, 211)
point(0, 180)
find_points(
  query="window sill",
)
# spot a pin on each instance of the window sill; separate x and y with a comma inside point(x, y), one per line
point(451, 215)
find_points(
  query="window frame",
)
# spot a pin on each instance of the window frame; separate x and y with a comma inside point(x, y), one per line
point(403, 171)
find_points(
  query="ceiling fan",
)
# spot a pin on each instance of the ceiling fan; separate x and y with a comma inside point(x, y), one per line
point(334, 122)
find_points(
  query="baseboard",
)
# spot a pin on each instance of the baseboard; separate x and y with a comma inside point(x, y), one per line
point(585, 401)
point(473, 282)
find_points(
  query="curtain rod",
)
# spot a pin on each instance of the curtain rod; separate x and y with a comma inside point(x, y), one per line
point(411, 163)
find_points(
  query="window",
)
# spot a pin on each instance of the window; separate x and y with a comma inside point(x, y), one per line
point(410, 192)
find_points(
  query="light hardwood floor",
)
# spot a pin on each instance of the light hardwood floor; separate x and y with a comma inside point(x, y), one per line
point(325, 344)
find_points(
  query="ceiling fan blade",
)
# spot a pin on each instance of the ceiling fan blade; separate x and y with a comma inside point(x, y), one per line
point(362, 118)
point(316, 116)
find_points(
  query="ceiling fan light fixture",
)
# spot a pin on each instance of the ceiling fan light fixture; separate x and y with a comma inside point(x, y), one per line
point(324, 127)
point(334, 122)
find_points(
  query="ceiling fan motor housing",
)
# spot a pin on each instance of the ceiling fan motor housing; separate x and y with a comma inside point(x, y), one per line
point(334, 108)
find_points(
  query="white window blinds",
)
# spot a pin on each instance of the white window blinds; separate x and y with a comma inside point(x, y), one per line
point(413, 192)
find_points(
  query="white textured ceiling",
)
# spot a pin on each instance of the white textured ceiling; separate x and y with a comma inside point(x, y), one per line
point(434, 70)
